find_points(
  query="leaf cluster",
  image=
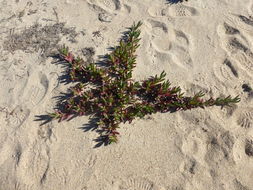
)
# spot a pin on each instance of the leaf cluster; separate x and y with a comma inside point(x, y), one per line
point(115, 97)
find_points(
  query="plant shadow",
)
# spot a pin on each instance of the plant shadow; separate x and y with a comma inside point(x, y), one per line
point(63, 96)
point(175, 1)
point(101, 140)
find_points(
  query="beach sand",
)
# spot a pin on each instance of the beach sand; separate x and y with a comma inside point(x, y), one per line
point(202, 45)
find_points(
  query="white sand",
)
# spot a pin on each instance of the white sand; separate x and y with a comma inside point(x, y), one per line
point(202, 45)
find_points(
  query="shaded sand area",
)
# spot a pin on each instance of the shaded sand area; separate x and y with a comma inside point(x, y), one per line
point(202, 45)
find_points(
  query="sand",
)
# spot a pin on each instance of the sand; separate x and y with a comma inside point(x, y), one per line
point(202, 45)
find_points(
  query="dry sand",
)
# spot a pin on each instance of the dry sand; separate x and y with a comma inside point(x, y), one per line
point(202, 45)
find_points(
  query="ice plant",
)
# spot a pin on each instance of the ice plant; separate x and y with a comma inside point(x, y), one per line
point(111, 95)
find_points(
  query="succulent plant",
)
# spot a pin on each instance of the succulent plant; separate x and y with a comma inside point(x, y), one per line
point(113, 97)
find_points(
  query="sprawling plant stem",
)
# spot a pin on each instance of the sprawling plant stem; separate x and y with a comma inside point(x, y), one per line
point(116, 97)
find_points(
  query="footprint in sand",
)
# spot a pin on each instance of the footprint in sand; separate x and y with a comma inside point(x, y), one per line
point(189, 166)
point(219, 148)
point(68, 176)
point(243, 154)
point(245, 60)
point(180, 49)
point(226, 70)
point(106, 5)
point(245, 118)
point(166, 40)
point(107, 9)
point(45, 132)
point(89, 161)
point(34, 164)
point(17, 116)
point(66, 179)
point(181, 56)
point(110, 4)
point(182, 39)
point(17, 153)
point(174, 10)
point(36, 89)
point(38, 86)
point(193, 145)
point(178, 10)
point(160, 36)
point(11, 154)
point(156, 11)
point(11, 151)
point(53, 81)
point(245, 23)
point(249, 148)
point(237, 47)
point(229, 30)
point(21, 186)
point(137, 184)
